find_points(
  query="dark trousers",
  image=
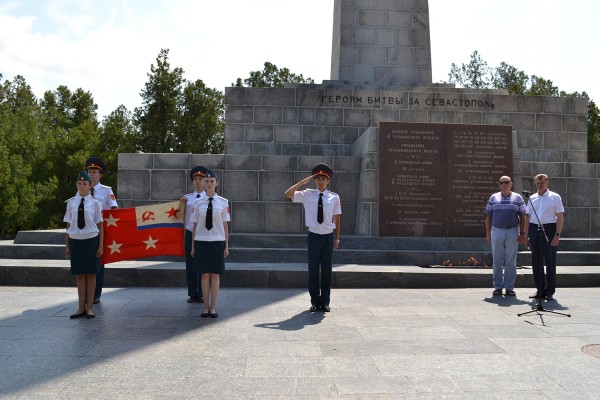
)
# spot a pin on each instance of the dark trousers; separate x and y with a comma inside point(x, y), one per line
point(99, 280)
point(193, 280)
point(320, 257)
point(542, 251)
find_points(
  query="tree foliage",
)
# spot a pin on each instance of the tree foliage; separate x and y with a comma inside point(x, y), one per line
point(271, 76)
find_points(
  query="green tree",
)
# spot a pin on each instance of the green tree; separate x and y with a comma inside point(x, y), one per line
point(158, 117)
point(271, 76)
point(508, 77)
point(25, 183)
point(476, 74)
point(202, 120)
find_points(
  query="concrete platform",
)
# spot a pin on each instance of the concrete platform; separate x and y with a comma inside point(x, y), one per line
point(148, 343)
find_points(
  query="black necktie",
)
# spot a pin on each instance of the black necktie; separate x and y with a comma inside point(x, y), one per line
point(92, 192)
point(209, 223)
point(198, 196)
point(320, 209)
point(80, 215)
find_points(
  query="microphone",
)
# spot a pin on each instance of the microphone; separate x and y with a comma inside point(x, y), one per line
point(526, 193)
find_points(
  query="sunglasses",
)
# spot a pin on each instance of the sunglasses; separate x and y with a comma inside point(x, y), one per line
point(504, 182)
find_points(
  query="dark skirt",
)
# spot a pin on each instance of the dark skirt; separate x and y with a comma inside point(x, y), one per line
point(83, 256)
point(209, 257)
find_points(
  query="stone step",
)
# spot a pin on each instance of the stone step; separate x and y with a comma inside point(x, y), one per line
point(25, 272)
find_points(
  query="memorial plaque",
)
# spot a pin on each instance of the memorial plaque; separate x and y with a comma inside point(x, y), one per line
point(435, 179)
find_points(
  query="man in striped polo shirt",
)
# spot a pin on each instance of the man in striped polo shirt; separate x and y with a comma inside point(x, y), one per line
point(505, 229)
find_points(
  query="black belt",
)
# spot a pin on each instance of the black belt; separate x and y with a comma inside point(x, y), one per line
point(545, 225)
point(506, 227)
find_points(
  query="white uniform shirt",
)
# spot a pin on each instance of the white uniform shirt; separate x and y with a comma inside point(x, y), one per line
point(189, 207)
point(220, 214)
point(105, 196)
point(546, 207)
point(331, 206)
point(93, 215)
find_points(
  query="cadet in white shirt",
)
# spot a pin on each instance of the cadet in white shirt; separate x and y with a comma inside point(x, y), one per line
point(104, 194)
point(197, 175)
point(211, 242)
point(84, 243)
point(322, 210)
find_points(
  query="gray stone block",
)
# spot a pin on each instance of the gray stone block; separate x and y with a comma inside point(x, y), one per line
point(413, 115)
point(574, 156)
point(234, 132)
point(441, 117)
point(290, 115)
point(346, 185)
point(316, 134)
point(307, 116)
point(330, 116)
point(172, 161)
point(363, 36)
point(238, 148)
point(281, 97)
point(248, 217)
point(267, 115)
point(273, 184)
point(243, 162)
point(239, 114)
point(371, 17)
point(530, 140)
point(576, 224)
point(422, 57)
point(574, 123)
point(345, 150)
point(578, 170)
point(349, 55)
point(469, 117)
point(522, 121)
point(306, 163)
point(168, 184)
point(369, 186)
point(371, 55)
point(385, 115)
point(288, 134)
point(548, 155)
point(351, 164)
point(385, 37)
point(134, 184)
point(594, 222)
point(504, 103)
point(578, 105)
point(494, 118)
point(257, 96)
point(135, 161)
point(556, 140)
point(212, 161)
point(295, 149)
point(578, 141)
point(235, 95)
point(343, 135)
point(285, 217)
point(306, 97)
point(324, 150)
point(348, 219)
point(400, 19)
point(240, 185)
point(582, 192)
point(529, 104)
point(526, 155)
point(264, 149)
point(259, 133)
point(280, 163)
point(349, 16)
point(555, 105)
point(548, 122)
point(358, 118)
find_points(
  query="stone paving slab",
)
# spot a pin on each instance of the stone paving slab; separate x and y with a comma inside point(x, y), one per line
point(149, 343)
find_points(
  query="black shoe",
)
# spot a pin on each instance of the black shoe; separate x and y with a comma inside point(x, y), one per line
point(191, 299)
point(201, 299)
point(96, 300)
point(325, 308)
point(549, 297)
point(75, 316)
point(535, 296)
point(313, 308)
point(90, 316)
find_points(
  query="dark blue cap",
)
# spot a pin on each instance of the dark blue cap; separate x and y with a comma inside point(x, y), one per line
point(198, 170)
point(322, 169)
point(211, 174)
point(95, 162)
point(83, 176)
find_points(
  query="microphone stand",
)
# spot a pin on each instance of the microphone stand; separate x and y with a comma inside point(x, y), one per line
point(539, 308)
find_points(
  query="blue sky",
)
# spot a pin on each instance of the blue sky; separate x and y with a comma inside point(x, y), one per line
point(106, 47)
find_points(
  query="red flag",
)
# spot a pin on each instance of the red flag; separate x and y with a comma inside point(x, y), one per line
point(146, 231)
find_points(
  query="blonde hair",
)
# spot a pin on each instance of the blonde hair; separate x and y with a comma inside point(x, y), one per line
point(541, 177)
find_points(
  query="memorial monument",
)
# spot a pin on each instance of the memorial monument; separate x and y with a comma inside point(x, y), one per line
point(381, 83)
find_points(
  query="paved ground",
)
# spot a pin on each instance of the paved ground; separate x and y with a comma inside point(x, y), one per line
point(148, 343)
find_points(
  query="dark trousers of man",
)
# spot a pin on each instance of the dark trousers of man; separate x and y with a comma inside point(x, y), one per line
point(320, 257)
point(193, 280)
point(542, 251)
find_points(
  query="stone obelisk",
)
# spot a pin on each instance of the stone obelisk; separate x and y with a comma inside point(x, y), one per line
point(381, 43)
